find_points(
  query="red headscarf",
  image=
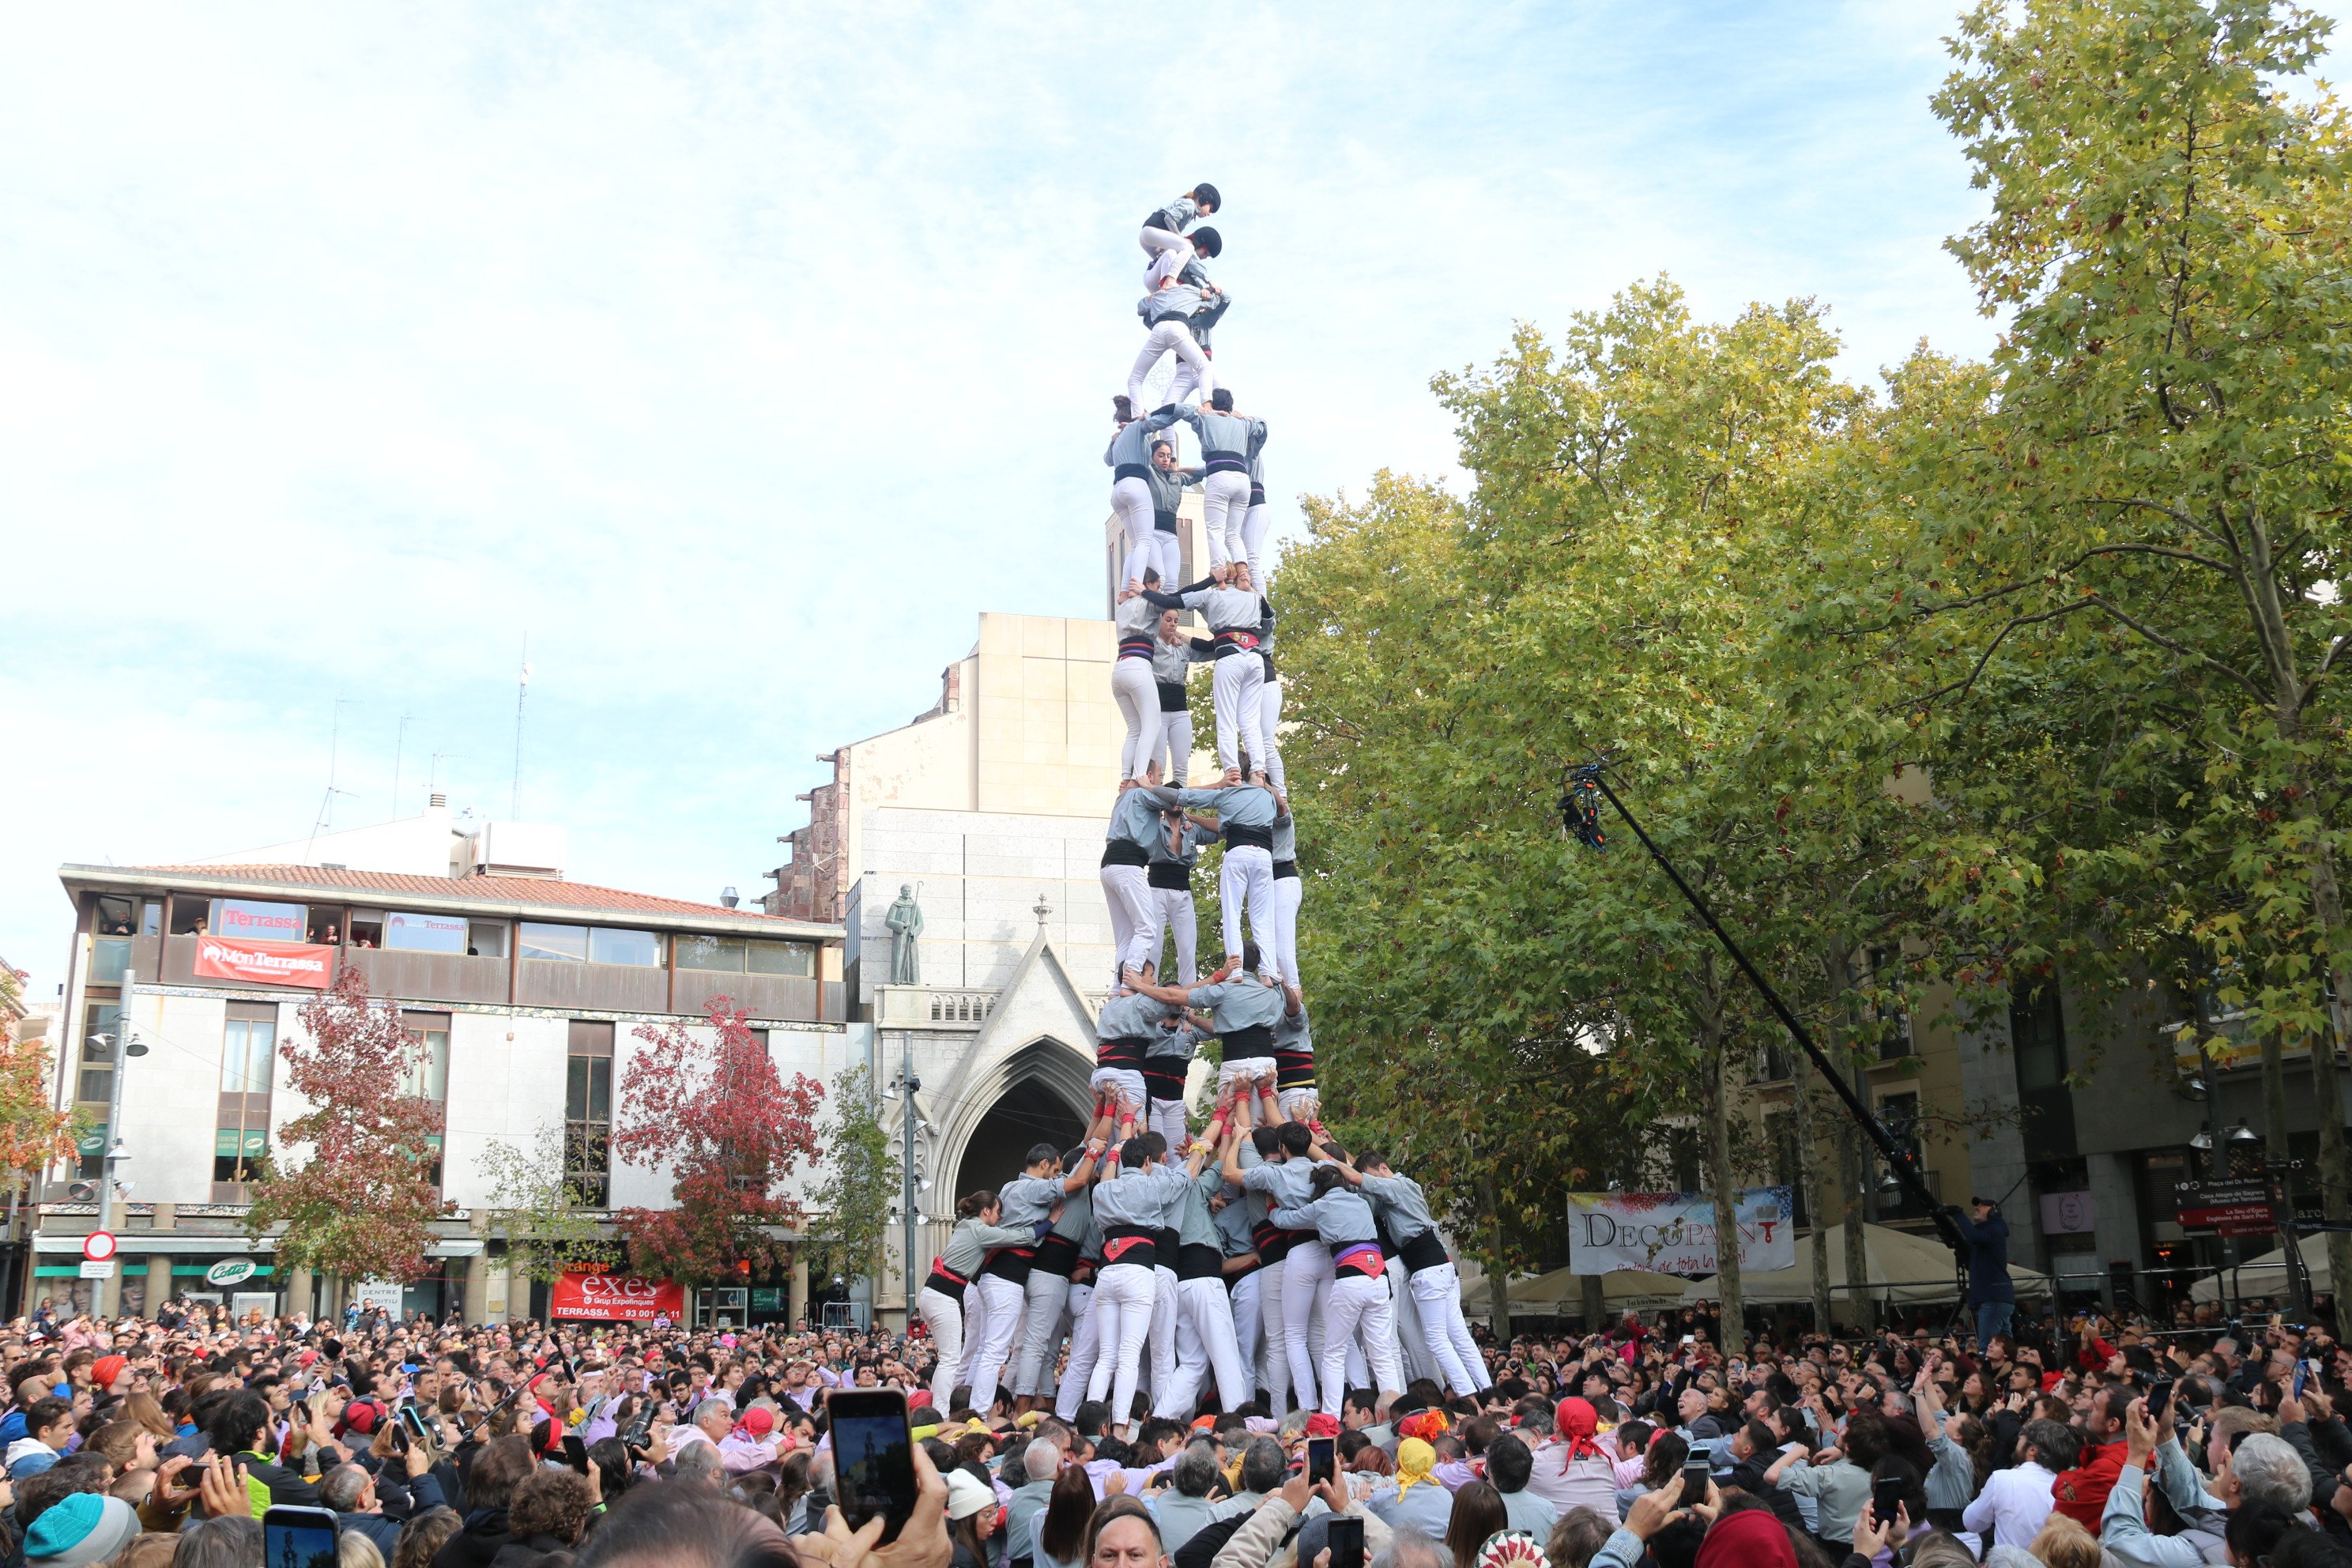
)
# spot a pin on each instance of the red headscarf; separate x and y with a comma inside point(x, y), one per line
point(1576, 1419)
point(1752, 1538)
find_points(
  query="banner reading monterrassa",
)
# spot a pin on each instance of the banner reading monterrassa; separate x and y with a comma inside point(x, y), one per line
point(271, 963)
point(1674, 1233)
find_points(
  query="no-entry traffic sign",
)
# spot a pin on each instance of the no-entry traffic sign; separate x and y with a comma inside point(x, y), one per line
point(98, 1246)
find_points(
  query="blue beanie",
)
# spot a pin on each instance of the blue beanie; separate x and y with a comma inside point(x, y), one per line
point(86, 1527)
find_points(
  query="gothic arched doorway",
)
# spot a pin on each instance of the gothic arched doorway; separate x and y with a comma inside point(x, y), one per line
point(1028, 1113)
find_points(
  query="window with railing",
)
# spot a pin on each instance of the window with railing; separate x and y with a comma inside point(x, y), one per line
point(426, 1075)
point(101, 1028)
point(743, 956)
point(588, 1113)
point(591, 944)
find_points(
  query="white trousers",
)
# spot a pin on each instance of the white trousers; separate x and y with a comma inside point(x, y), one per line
point(1127, 890)
point(1306, 1283)
point(1237, 688)
point(1269, 728)
point(1160, 242)
point(1175, 743)
point(1168, 555)
point(944, 1319)
point(1125, 1294)
point(1138, 696)
point(1253, 527)
point(1171, 911)
point(1131, 499)
point(1085, 1353)
point(1411, 1347)
point(1126, 1080)
point(1176, 338)
point(1246, 880)
point(1185, 386)
point(1249, 1335)
point(1163, 1333)
point(1211, 1347)
point(1273, 1334)
point(1045, 1318)
point(1287, 893)
point(1004, 1304)
point(1167, 1119)
point(1437, 1302)
point(1226, 506)
point(1359, 1304)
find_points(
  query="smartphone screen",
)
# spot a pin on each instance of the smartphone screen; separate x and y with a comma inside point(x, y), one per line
point(412, 1421)
point(2159, 1397)
point(1694, 1480)
point(873, 1457)
point(298, 1538)
point(1347, 1541)
point(575, 1453)
point(1322, 1459)
point(1885, 1498)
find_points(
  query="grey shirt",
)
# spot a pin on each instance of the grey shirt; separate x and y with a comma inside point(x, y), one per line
point(1286, 838)
point(1028, 1199)
point(1131, 444)
point(1195, 837)
point(1133, 1017)
point(1240, 1002)
point(1198, 1228)
point(972, 1241)
point(1341, 1218)
point(1291, 1033)
point(1177, 300)
point(1183, 212)
point(1224, 432)
point(1399, 1203)
point(1171, 662)
point(1226, 609)
point(1237, 805)
point(1135, 819)
point(1169, 485)
point(1233, 1223)
point(1138, 1195)
point(1077, 1214)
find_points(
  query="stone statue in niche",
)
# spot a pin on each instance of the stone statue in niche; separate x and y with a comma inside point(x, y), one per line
point(903, 920)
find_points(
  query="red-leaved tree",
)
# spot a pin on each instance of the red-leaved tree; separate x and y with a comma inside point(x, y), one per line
point(722, 1120)
point(361, 1203)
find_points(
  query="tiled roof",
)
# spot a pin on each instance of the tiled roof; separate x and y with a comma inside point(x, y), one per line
point(537, 891)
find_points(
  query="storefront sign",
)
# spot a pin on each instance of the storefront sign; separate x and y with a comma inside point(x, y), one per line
point(229, 1271)
point(248, 921)
point(265, 963)
point(2068, 1214)
point(1674, 1233)
point(616, 1297)
point(424, 933)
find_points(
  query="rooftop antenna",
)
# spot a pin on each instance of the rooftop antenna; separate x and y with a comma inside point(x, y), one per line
point(327, 802)
point(522, 690)
point(400, 737)
point(433, 779)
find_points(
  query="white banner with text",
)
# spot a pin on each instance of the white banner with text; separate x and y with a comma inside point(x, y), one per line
point(1674, 1233)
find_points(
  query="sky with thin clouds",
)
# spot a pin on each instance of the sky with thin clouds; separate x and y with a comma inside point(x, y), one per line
point(738, 355)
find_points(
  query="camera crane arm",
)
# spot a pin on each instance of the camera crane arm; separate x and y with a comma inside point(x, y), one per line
point(1581, 819)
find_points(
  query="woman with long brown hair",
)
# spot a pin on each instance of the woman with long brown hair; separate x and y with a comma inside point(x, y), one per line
point(1478, 1517)
point(1062, 1527)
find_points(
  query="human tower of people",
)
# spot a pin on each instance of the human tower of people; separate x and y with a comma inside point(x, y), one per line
point(1257, 1254)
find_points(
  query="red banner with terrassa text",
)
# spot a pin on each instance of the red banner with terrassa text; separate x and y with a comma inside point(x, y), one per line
point(616, 1297)
point(269, 962)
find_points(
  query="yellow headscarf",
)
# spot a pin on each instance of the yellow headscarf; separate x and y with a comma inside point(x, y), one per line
point(1413, 1460)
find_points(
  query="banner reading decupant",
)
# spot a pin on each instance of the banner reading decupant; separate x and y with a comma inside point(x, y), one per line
point(616, 1297)
point(1674, 1233)
point(269, 962)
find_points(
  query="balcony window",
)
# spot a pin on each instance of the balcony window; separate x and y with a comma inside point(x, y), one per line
point(365, 930)
point(246, 1048)
point(639, 948)
point(486, 939)
point(413, 931)
point(251, 919)
point(561, 944)
point(116, 917)
point(736, 955)
point(427, 1076)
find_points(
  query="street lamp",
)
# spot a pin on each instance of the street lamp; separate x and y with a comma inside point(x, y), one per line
point(109, 1290)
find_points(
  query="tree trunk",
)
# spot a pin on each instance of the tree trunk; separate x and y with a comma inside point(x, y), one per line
point(1808, 1176)
point(1854, 1216)
point(2275, 1154)
point(1498, 1276)
point(1596, 1304)
point(2288, 692)
point(1714, 1063)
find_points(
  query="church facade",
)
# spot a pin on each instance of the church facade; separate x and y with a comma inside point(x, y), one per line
point(984, 817)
